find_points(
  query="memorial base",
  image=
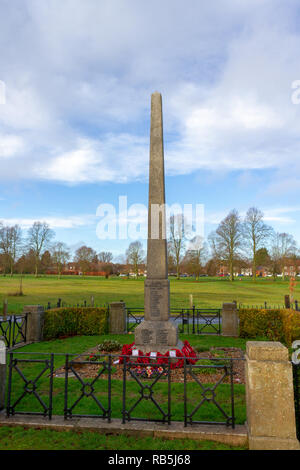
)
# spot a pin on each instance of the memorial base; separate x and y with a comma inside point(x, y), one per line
point(157, 336)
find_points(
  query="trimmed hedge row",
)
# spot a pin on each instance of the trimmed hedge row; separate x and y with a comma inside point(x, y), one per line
point(277, 325)
point(74, 321)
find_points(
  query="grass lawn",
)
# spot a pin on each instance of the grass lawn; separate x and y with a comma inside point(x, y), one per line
point(19, 438)
point(207, 292)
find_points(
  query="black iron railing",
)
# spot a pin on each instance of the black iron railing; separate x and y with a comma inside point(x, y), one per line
point(132, 390)
point(134, 317)
point(146, 390)
point(269, 306)
point(13, 328)
point(83, 303)
point(208, 393)
point(87, 388)
point(189, 320)
point(30, 386)
point(200, 321)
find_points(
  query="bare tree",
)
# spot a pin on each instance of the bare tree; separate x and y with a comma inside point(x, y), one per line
point(196, 255)
point(10, 245)
point(177, 240)
point(171, 259)
point(283, 247)
point(105, 257)
point(135, 255)
point(215, 261)
point(256, 233)
point(60, 255)
point(85, 256)
point(226, 241)
point(39, 237)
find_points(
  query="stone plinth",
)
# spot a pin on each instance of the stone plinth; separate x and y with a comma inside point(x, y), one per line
point(117, 318)
point(230, 320)
point(2, 372)
point(35, 322)
point(157, 332)
point(270, 397)
point(159, 336)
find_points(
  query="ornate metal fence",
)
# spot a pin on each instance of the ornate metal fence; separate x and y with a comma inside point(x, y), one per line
point(146, 389)
point(134, 317)
point(190, 320)
point(87, 388)
point(13, 328)
point(208, 392)
point(83, 303)
point(29, 386)
point(138, 389)
point(200, 321)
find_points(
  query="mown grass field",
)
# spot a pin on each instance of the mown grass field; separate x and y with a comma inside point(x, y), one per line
point(207, 292)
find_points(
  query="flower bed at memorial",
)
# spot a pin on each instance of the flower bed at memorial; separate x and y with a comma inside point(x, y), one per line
point(175, 355)
point(213, 356)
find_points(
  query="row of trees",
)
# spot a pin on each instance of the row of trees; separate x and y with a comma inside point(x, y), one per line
point(13, 247)
point(36, 252)
point(236, 243)
point(238, 239)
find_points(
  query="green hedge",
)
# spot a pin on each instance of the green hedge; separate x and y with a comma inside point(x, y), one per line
point(73, 321)
point(277, 325)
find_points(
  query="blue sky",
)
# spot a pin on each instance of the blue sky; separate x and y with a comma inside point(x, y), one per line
point(74, 131)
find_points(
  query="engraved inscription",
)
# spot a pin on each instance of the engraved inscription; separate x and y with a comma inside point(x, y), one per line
point(162, 336)
point(146, 336)
point(156, 294)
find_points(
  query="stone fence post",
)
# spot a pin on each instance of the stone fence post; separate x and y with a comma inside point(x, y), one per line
point(2, 372)
point(117, 318)
point(35, 322)
point(230, 320)
point(270, 397)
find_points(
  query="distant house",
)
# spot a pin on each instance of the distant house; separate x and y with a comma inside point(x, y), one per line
point(292, 269)
point(262, 271)
point(246, 271)
point(223, 271)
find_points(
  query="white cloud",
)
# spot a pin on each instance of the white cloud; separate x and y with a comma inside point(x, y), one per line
point(10, 145)
point(117, 158)
point(79, 76)
point(55, 222)
point(278, 215)
point(275, 216)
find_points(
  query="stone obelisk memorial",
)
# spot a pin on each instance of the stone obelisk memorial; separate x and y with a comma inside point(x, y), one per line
point(157, 332)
